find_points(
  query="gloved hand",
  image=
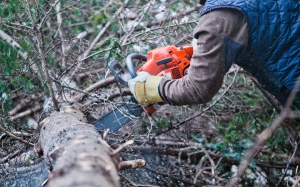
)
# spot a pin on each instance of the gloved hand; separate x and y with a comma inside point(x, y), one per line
point(144, 87)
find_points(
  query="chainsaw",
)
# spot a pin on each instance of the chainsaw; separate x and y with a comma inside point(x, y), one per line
point(169, 61)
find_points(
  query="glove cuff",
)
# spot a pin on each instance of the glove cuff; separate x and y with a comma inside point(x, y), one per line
point(147, 92)
point(140, 93)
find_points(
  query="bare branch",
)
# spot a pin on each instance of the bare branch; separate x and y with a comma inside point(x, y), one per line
point(26, 113)
point(42, 57)
point(59, 22)
point(15, 137)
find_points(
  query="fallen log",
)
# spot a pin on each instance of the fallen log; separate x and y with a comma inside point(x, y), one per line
point(75, 152)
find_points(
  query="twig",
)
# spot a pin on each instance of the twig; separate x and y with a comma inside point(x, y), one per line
point(171, 176)
point(296, 182)
point(131, 164)
point(120, 109)
point(17, 108)
point(43, 20)
point(16, 25)
point(21, 134)
point(59, 23)
point(153, 29)
point(288, 164)
point(95, 86)
point(10, 156)
point(15, 137)
point(23, 103)
point(88, 73)
point(294, 115)
point(184, 13)
point(26, 113)
point(201, 168)
point(176, 143)
point(269, 97)
point(123, 146)
point(106, 131)
point(131, 183)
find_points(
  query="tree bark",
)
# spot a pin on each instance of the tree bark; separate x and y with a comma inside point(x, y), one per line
point(76, 153)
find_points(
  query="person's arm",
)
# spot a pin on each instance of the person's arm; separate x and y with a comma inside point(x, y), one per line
point(221, 34)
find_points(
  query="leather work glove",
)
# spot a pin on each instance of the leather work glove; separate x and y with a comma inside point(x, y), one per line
point(144, 87)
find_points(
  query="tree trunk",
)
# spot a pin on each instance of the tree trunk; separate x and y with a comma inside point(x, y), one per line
point(76, 153)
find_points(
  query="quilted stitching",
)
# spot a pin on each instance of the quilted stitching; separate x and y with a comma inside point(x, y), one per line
point(275, 37)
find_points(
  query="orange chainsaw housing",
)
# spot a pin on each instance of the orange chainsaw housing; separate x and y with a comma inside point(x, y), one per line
point(169, 61)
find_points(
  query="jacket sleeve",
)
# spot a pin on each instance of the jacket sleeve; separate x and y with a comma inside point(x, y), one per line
point(216, 32)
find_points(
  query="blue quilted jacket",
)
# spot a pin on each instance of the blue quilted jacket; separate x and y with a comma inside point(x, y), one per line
point(273, 52)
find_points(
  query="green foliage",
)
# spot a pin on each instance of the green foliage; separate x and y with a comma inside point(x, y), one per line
point(164, 123)
point(12, 69)
point(23, 82)
point(77, 12)
point(197, 139)
point(111, 49)
point(100, 18)
point(7, 104)
point(234, 151)
point(251, 117)
point(279, 142)
point(8, 57)
point(9, 9)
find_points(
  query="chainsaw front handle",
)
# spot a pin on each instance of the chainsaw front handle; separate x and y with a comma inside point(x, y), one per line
point(129, 64)
point(118, 71)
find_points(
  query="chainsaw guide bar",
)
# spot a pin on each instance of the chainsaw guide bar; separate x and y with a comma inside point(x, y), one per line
point(119, 116)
